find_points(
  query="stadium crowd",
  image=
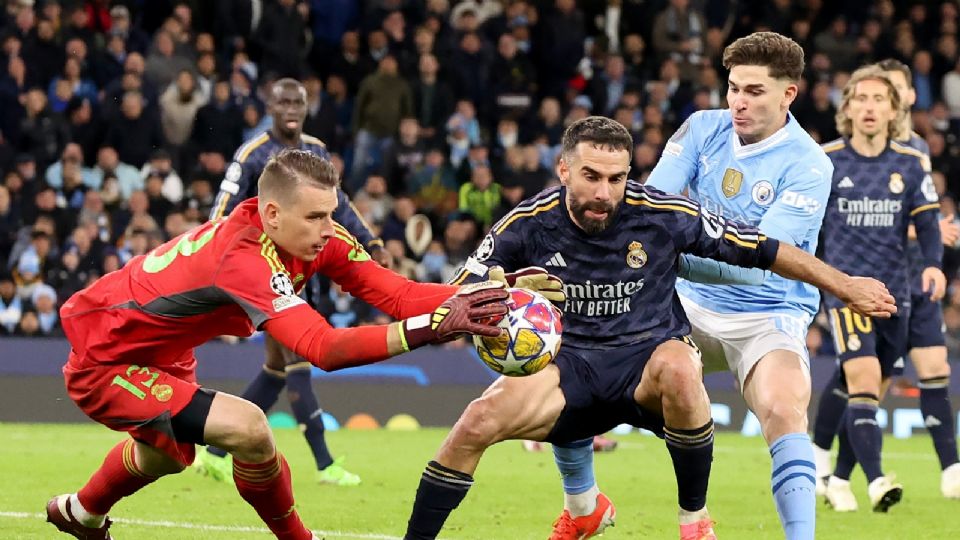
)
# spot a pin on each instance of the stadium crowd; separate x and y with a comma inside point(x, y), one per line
point(118, 119)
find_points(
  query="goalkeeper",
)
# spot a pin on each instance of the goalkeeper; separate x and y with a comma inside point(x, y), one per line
point(132, 365)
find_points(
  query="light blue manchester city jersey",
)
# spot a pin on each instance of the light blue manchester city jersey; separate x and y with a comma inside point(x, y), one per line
point(780, 185)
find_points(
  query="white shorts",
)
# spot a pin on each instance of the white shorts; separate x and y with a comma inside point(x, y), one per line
point(737, 341)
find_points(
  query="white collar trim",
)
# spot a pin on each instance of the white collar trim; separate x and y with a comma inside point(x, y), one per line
point(745, 150)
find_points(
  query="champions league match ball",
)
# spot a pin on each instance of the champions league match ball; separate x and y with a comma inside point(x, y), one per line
point(531, 336)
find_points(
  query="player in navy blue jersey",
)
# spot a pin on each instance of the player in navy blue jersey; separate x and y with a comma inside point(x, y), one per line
point(925, 341)
point(288, 106)
point(879, 186)
point(626, 355)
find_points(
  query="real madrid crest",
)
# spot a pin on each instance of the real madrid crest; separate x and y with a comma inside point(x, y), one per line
point(730, 185)
point(636, 256)
point(896, 183)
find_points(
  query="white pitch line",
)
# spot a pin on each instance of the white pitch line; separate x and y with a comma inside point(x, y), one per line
point(207, 527)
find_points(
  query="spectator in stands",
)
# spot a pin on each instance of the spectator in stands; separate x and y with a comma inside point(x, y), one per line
point(72, 155)
point(433, 185)
point(679, 34)
point(179, 104)
point(384, 98)
point(403, 157)
point(481, 195)
point(135, 38)
point(375, 199)
point(321, 120)
point(135, 135)
point(69, 84)
point(280, 36)
point(161, 165)
point(127, 176)
point(43, 134)
point(432, 99)
point(10, 223)
point(218, 126)
point(44, 301)
point(43, 52)
point(86, 128)
point(28, 274)
point(164, 62)
point(11, 305)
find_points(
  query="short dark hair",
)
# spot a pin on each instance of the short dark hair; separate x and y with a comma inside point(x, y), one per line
point(780, 54)
point(292, 168)
point(600, 131)
point(892, 64)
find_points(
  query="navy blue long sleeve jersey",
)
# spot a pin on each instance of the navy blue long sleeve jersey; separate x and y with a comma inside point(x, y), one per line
point(620, 282)
point(240, 183)
point(873, 200)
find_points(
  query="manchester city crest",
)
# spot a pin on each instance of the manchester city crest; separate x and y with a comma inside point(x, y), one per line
point(763, 193)
point(896, 183)
point(636, 256)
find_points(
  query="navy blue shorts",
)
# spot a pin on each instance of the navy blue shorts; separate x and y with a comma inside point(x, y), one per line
point(856, 336)
point(598, 385)
point(926, 320)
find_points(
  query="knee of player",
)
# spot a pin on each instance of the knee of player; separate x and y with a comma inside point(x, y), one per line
point(480, 424)
point(788, 413)
point(253, 433)
point(680, 375)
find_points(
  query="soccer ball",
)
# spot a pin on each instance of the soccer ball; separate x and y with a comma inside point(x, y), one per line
point(531, 336)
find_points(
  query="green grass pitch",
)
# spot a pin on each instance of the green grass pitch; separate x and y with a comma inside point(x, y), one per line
point(517, 494)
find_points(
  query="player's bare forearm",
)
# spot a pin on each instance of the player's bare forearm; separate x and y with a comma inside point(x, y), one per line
point(865, 296)
point(795, 263)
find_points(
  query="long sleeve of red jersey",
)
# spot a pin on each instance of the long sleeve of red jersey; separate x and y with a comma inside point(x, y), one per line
point(265, 293)
point(344, 261)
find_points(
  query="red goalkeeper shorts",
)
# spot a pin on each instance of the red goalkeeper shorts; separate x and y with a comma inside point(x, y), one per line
point(139, 400)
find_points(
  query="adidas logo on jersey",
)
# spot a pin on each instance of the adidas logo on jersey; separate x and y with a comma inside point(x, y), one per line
point(931, 421)
point(557, 260)
point(845, 183)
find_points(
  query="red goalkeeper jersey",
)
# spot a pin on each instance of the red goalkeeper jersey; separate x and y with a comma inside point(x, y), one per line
point(227, 277)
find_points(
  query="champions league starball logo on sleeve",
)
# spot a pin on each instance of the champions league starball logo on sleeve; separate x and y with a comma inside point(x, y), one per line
point(485, 250)
point(280, 283)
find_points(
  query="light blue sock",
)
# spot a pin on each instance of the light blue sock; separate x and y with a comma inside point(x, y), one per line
point(793, 482)
point(575, 461)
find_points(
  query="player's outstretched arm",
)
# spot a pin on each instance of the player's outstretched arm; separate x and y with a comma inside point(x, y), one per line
point(473, 309)
point(865, 296)
point(714, 272)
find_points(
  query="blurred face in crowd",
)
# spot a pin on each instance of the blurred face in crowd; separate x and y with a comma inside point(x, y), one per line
point(596, 179)
point(871, 108)
point(165, 44)
point(77, 48)
point(36, 101)
point(132, 105)
point(908, 96)
point(424, 40)
point(134, 63)
point(288, 106)
point(4, 200)
point(207, 65)
point(221, 91)
point(388, 65)
point(481, 177)
point(107, 158)
point(428, 66)
point(186, 83)
point(507, 46)
point(758, 102)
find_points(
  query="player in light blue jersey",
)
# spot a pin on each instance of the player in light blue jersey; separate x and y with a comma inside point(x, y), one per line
point(755, 164)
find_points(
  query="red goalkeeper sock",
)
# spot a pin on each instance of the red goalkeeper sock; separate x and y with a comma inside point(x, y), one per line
point(118, 477)
point(267, 488)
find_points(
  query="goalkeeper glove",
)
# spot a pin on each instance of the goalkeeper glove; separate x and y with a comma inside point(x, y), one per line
point(474, 309)
point(532, 278)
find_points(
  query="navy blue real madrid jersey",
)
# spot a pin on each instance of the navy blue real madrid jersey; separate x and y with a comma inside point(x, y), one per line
point(620, 283)
point(240, 182)
point(873, 200)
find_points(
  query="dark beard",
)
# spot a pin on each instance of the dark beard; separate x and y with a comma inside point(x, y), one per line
point(592, 226)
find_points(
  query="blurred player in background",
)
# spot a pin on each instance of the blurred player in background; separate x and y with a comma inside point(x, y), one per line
point(926, 343)
point(626, 356)
point(879, 186)
point(132, 333)
point(288, 106)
